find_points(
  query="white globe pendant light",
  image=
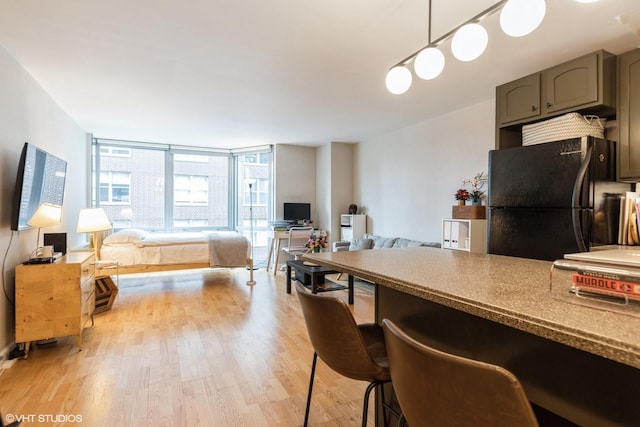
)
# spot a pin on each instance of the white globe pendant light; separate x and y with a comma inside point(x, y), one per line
point(398, 80)
point(521, 17)
point(469, 42)
point(429, 63)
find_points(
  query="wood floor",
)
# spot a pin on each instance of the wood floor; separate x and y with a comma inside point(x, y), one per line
point(193, 348)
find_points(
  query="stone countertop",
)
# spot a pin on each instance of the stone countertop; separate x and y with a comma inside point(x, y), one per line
point(507, 290)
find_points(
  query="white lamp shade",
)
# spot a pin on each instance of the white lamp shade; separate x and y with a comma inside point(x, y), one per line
point(398, 80)
point(429, 63)
point(587, 1)
point(46, 215)
point(469, 42)
point(93, 219)
point(521, 17)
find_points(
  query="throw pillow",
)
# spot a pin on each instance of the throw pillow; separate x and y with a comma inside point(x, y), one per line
point(359, 244)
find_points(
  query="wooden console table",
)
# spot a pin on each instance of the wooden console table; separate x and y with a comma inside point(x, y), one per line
point(55, 300)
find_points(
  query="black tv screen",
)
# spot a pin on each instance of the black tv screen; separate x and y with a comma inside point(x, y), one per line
point(41, 179)
point(297, 211)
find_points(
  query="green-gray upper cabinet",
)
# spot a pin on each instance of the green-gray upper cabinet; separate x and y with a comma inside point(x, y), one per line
point(586, 85)
point(573, 84)
point(628, 116)
point(519, 100)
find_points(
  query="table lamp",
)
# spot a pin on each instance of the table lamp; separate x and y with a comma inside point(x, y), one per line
point(94, 221)
point(46, 215)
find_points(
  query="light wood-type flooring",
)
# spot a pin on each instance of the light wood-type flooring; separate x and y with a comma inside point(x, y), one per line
point(191, 348)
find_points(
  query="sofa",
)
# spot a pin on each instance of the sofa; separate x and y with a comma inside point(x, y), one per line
point(372, 241)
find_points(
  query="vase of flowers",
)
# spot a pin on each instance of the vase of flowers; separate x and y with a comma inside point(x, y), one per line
point(317, 241)
point(476, 184)
point(462, 196)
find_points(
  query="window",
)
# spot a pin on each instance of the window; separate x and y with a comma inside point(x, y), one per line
point(166, 188)
point(190, 189)
point(114, 187)
point(115, 151)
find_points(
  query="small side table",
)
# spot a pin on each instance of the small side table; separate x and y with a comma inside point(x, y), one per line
point(313, 275)
point(106, 289)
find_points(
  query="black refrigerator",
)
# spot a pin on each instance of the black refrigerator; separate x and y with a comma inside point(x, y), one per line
point(550, 199)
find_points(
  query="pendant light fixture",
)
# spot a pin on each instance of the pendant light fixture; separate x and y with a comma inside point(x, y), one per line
point(398, 80)
point(469, 40)
point(430, 61)
point(521, 17)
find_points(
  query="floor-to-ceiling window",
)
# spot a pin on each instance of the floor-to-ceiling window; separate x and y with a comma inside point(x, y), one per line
point(172, 188)
point(254, 198)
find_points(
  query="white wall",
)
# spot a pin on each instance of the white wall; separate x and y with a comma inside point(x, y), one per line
point(341, 184)
point(28, 114)
point(295, 177)
point(405, 180)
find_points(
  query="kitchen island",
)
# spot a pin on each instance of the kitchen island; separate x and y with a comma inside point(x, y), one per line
point(578, 362)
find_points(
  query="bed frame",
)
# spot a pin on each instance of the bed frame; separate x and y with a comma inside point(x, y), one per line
point(108, 269)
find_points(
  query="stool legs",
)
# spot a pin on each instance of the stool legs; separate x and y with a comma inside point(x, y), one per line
point(313, 373)
point(367, 394)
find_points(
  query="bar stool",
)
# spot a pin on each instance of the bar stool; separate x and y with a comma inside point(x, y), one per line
point(355, 351)
point(445, 390)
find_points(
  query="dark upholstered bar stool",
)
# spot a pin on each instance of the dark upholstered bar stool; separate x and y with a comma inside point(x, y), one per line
point(355, 351)
point(441, 389)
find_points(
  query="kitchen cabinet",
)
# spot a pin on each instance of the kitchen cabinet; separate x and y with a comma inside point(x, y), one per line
point(519, 99)
point(54, 300)
point(585, 84)
point(628, 116)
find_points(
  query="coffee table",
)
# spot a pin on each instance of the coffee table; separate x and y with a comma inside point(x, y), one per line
point(312, 276)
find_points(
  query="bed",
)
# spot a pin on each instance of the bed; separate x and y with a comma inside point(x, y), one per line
point(139, 251)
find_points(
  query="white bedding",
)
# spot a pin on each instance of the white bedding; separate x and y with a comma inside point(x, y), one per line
point(218, 249)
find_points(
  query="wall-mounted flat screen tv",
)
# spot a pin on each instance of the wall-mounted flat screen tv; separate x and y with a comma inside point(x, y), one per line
point(297, 211)
point(40, 180)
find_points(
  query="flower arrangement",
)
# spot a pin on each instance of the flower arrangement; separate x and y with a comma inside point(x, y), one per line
point(317, 241)
point(477, 185)
point(462, 194)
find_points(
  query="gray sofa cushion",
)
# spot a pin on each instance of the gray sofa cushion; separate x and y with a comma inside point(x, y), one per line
point(406, 243)
point(381, 242)
point(358, 244)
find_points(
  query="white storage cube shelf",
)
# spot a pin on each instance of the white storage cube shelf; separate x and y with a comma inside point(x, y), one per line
point(352, 226)
point(469, 235)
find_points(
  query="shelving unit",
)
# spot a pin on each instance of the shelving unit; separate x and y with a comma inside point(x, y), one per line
point(469, 235)
point(352, 226)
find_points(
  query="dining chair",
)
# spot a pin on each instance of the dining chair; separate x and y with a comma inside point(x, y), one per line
point(356, 351)
point(445, 390)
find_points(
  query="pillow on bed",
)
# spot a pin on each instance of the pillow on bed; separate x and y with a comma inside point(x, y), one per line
point(128, 235)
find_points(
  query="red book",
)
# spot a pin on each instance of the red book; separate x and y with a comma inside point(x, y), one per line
point(609, 284)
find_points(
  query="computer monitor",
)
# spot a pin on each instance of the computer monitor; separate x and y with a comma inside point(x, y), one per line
point(297, 211)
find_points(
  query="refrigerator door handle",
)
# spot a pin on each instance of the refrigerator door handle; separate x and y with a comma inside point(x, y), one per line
point(575, 200)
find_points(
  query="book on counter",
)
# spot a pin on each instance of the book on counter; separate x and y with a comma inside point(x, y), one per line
point(607, 283)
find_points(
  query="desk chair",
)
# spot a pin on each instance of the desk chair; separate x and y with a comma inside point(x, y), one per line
point(298, 239)
point(355, 351)
point(445, 390)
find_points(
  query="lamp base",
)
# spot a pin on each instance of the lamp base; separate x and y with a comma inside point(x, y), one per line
point(251, 282)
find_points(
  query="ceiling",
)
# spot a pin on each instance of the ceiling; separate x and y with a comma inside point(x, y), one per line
point(240, 73)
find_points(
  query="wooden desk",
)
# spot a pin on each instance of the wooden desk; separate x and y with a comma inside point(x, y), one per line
point(578, 362)
point(276, 237)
